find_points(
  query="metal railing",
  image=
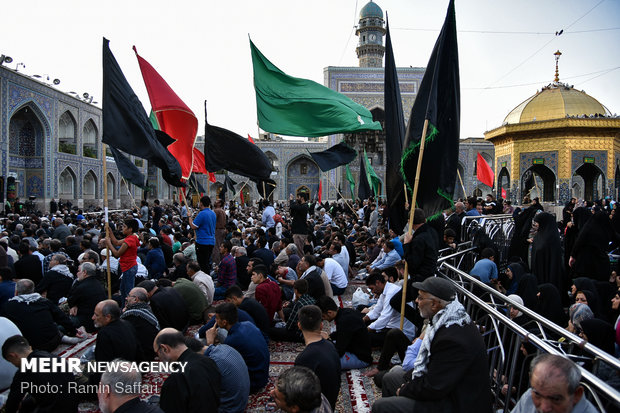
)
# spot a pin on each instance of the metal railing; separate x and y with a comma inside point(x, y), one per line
point(499, 228)
point(504, 338)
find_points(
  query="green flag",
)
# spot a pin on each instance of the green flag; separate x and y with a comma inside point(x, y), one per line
point(300, 107)
point(373, 179)
point(351, 181)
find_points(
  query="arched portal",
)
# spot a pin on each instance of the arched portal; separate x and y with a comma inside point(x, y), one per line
point(538, 181)
point(112, 187)
point(67, 185)
point(593, 181)
point(89, 186)
point(244, 196)
point(503, 180)
point(26, 151)
point(302, 171)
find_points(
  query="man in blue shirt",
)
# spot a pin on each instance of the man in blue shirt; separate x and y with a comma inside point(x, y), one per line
point(398, 246)
point(235, 378)
point(472, 204)
point(390, 258)
point(247, 339)
point(485, 268)
point(204, 225)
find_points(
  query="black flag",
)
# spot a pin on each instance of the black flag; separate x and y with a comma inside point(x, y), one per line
point(394, 136)
point(439, 101)
point(229, 184)
point(126, 125)
point(227, 150)
point(363, 187)
point(265, 187)
point(337, 155)
point(128, 169)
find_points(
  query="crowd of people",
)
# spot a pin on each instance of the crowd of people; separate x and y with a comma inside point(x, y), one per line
point(248, 275)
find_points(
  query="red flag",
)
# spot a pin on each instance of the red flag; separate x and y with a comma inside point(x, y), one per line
point(198, 165)
point(484, 173)
point(320, 191)
point(174, 117)
point(250, 139)
point(503, 193)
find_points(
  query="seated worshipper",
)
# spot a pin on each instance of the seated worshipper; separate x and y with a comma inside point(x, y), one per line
point(252, 307)
point(180, 267)
point(203, 281)
point(320, 355)
point(195, 300)
point(72, 248)
point(280, 251)
point(291, 332)
point(196, 389)
point(448, 239)
point(337, 252)
point(155, 261)
point(241, 261)
point(383, 317)
point(298, 390)
point(263, 253)
point(267, 293)
point(235, 388)
point(23, 397)
point(335, 274)
point(286, 276)
point(55, 247)
point(167, 305)
point(226, 271)
point(119, 391)
point(139, 314)
point(351, 337)
point(116, 338)
point(578, 312)
point(7, 370)
point(85, 294)
point(307, 269)
point(485, 268)
point(38, 318)
point(554, 387)
point(390, 258)
point(29, 265)
point(451, 370)
point(247, 339)
point(57, 282)
point(293, 255)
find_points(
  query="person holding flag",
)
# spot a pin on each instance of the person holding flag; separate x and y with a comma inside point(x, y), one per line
point(127, 254)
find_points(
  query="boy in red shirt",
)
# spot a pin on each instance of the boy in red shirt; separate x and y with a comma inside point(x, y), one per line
point(127, 254)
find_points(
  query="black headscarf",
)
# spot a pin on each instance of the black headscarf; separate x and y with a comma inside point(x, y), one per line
point(547, 251)
point(527, 290)
point(518, 244)
point(550, 304)
point(600, 333)
point(590, 248)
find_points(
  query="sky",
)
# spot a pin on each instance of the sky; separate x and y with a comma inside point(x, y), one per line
point(202, 50)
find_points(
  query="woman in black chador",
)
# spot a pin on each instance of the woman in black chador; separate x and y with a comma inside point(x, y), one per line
point(589, 257)
point(547, 263)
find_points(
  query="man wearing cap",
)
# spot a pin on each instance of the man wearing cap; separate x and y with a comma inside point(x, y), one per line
point(451, 370)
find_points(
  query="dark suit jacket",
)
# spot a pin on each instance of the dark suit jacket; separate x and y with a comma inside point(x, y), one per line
point(169, 308)
point(86, 294)
point(458, 372)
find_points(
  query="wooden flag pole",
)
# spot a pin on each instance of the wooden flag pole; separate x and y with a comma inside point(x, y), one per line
point(461, 180)
point(130, 195)
point(414, 196)
point(264, 191)
point(345, 200)
point(105, 208)
point(406, 193)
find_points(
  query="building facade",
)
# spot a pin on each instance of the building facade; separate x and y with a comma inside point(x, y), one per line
point(50, 146)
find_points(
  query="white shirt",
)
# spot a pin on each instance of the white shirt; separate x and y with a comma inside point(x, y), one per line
point(385, 316)
point(343, 259)
point(335, 273)
point(205, 283)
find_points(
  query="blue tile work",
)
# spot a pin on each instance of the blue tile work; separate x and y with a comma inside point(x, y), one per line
point(600, 160)
point(35, 185)
point(295, 178)
point(550, 157)
point(565, 192)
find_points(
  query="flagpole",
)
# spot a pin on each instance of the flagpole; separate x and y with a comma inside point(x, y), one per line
point(414, 196)
point(406, 193)
point(129, 192)
point(264, 191)
point(462, 186)
point(345, 200)
point(105, 208)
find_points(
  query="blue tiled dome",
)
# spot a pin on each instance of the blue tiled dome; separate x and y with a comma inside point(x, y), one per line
point(371, 10)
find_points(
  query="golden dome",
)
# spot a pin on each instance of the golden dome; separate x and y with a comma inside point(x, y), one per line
point(556, 101)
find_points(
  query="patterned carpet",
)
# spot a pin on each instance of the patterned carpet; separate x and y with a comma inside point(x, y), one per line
point(357, 393)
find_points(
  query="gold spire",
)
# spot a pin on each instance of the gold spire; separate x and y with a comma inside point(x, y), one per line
point(557, 59)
